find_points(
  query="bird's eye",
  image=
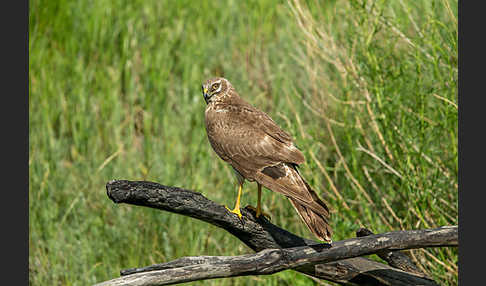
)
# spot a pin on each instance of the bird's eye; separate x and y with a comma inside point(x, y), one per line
point(215, 86)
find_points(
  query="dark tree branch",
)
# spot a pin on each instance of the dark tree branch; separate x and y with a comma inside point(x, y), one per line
point(396, 259)
point(303, 255)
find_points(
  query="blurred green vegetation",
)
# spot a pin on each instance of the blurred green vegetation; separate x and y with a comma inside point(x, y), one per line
point(367, 88)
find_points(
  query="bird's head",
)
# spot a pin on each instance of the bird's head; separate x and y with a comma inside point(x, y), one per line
point(215, 88)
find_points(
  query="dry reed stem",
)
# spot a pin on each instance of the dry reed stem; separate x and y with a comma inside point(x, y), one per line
point(450, 269)
point(445, 99)
point(328, 178)
point(371, 181)
point(394, 215)
point(381, 161)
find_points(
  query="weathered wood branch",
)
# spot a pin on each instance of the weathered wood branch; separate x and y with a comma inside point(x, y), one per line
point(396, 259)
point(271, 261)
point(277, 249)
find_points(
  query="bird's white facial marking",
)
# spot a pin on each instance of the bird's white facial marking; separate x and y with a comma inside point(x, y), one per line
point(212, 88)
point(219, 88)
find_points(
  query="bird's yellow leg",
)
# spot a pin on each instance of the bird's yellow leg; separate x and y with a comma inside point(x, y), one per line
point(258, 209)
point(236, 210)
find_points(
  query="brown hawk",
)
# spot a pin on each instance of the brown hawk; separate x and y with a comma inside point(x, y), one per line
point(258, 150)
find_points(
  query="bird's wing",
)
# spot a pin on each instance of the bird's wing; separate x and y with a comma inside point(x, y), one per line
point(251, 142)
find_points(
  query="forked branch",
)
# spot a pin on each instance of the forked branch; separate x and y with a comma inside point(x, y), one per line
point(277, 249)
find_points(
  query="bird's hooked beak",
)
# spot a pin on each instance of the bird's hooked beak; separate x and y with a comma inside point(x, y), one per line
point(205, 93)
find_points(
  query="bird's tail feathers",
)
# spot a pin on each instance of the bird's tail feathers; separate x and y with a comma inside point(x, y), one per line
point(284, 178)
point(317, 222)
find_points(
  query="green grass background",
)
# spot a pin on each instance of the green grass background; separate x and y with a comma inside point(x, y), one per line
point(368, 89)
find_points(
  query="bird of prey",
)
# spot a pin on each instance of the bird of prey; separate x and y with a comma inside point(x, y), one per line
point(259, 150)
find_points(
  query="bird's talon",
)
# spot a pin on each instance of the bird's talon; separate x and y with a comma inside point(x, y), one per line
point(236, 211)
point(259, 212)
